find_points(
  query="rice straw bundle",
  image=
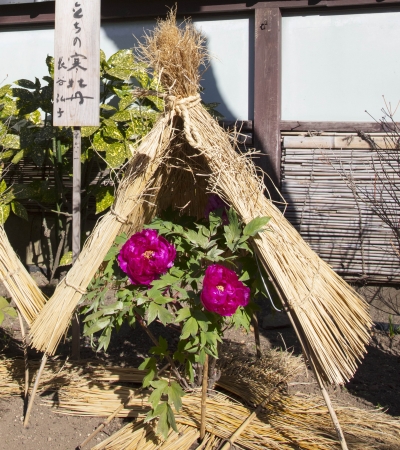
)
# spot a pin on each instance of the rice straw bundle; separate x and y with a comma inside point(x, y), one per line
point(58, 374)
point(134, 190)
point(139, 185)
point(19, 284)
point(331, 319)
point(142, 436)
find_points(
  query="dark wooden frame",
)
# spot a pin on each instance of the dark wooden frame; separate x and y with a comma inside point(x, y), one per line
point(267, 124)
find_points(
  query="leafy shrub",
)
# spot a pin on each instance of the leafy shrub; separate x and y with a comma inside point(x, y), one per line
point(175, 297)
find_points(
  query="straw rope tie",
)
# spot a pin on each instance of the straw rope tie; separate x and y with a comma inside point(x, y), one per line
point(77, 289)
point(119, 217)
point(181, 107)
point(9, 275)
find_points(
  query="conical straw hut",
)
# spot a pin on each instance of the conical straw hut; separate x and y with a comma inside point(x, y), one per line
point(331, 320)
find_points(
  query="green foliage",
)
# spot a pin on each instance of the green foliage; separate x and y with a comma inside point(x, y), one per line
point(27, 134)
point(6, 309)
point(174, 299)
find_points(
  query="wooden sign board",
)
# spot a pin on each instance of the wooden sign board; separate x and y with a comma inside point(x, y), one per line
point(77, 63)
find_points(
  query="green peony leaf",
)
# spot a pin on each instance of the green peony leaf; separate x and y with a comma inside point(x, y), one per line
point(255, 226)
point(99, 325)
point(175, 394)
point(4, 303)
point(183, 314)
point(156, 395)
point(148, 364)
point(19, 210)
point(191, 327)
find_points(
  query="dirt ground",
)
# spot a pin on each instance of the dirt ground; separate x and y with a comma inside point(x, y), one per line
point(376, 383)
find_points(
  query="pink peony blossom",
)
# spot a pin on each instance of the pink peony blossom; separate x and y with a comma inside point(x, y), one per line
point(222, 291)
point(145, 256)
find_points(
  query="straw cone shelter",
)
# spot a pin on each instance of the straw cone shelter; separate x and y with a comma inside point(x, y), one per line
point(187, 152)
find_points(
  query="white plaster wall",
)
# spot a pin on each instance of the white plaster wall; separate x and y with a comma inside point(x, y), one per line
point(336, 66)
point(228, 81)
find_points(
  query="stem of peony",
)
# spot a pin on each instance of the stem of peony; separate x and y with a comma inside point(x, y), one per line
point(204, 399)
point(181, 380)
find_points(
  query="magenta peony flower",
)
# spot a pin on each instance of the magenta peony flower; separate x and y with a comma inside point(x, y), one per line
point(145, 256)
point(222, 291)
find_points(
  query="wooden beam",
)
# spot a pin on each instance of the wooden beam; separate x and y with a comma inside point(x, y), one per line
point(351, 127)
point(43, 12)
point(267, 89)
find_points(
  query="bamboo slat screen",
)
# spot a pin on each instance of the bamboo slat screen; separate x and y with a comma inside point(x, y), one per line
point(340, 227)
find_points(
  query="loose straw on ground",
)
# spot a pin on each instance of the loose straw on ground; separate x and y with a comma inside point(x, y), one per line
point(287, 421)
point(105, 423)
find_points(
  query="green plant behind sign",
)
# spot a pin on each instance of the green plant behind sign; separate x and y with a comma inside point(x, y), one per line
point(27, 135)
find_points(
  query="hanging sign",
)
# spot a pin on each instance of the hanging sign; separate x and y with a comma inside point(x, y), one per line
point(77, 63)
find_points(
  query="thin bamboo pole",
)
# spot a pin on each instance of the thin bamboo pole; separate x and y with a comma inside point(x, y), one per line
point(33, 393)
point(256, 335)
point(26, 361)
point(106, 422)
point(204, 399)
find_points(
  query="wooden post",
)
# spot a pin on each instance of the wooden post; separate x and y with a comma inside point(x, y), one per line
point(267, 98)
point(76, 96)
point(76, 229)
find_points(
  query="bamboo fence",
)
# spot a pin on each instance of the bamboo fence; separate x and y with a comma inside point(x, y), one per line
point(341, 228)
